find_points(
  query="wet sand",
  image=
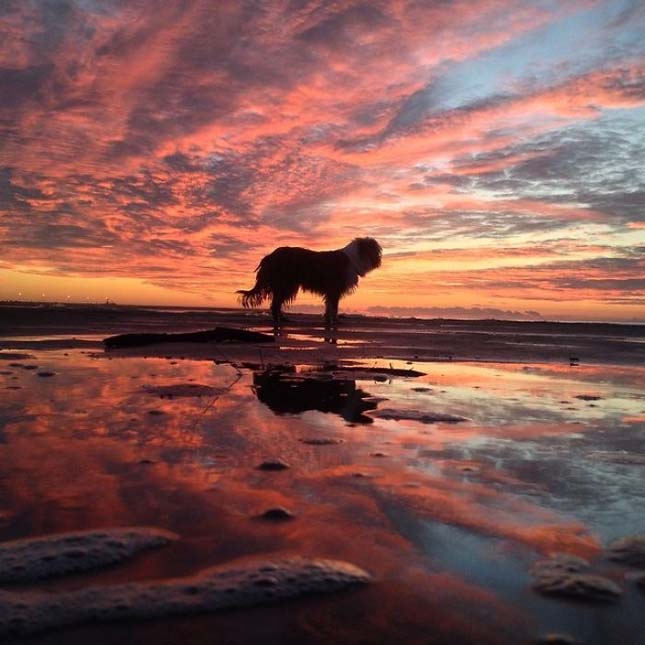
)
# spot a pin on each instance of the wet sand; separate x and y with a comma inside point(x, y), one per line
point(358, 336)
point(448, 516)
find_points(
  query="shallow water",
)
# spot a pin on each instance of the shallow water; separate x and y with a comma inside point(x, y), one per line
point(448, 516)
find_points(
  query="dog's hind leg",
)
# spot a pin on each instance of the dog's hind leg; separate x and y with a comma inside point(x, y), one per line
point(286, 294)
point(276, 309)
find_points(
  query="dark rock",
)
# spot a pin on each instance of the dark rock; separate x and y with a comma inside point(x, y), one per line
point(277, 514)
point(556, 639)
point(274, 464)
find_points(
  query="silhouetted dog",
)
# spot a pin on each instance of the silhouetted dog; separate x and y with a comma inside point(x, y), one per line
point(331, 274)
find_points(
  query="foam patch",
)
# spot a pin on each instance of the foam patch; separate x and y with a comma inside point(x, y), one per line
point(64, 553)
point(211, 590)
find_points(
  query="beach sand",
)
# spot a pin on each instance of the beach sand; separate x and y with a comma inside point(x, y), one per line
point(447, 459)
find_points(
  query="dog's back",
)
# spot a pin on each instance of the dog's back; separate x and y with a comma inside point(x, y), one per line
point(289, 268)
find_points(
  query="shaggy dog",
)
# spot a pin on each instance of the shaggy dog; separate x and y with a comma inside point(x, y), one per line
point(331, 274)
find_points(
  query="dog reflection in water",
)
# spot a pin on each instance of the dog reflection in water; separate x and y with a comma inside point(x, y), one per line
point(285, 391)
point(330, 274)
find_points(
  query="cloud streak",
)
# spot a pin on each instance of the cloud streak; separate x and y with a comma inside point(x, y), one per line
point(178, 143)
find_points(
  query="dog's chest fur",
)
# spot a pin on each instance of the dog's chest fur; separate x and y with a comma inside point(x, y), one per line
point(327, 272)
point(323, 272)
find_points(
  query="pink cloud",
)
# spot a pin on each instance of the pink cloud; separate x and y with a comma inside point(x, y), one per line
point(180, 144)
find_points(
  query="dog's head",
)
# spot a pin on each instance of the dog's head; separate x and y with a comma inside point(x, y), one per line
point(369, 253)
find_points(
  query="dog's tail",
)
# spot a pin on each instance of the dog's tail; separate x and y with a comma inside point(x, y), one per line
point(253, 297)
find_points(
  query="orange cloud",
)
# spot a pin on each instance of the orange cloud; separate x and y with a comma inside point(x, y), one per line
point(179, 145)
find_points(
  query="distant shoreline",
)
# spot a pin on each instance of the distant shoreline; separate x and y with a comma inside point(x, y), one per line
point(110, 306)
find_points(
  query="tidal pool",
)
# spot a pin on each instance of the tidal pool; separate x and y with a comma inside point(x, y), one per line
point(448, 516)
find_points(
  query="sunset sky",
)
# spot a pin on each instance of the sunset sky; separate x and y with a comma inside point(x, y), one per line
point(153, 151)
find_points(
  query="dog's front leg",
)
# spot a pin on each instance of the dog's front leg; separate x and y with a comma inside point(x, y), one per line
point(331, 311)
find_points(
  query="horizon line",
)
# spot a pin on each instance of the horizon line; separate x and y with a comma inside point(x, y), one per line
point(367, 314)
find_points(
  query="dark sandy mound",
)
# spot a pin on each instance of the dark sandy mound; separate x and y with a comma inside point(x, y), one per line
point(216, 335)
point(15, 356)
point(56, 555)
point(250, 584)
point(181, 390)
point(617, 457)
point(560, 576)
point(629, 550)
point(416, 415)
